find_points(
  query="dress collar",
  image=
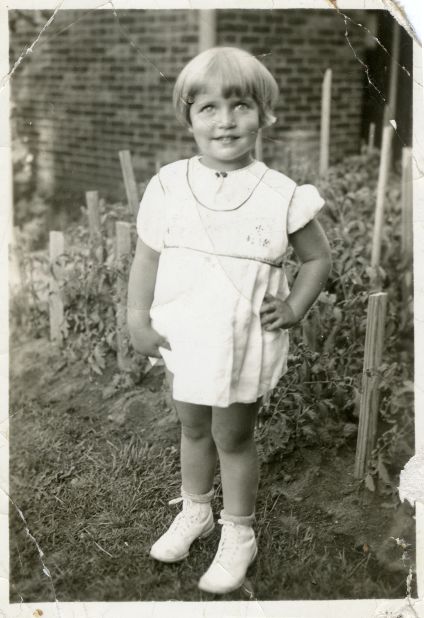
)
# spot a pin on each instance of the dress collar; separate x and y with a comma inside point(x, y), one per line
point(223, 192)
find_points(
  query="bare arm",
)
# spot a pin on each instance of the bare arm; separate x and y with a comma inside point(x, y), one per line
point(141, 287)
point(311, 247)
point(142, 280)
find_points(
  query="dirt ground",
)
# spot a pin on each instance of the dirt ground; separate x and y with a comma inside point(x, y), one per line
point(311, 511)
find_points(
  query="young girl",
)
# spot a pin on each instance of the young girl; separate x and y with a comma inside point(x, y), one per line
point(208, 293)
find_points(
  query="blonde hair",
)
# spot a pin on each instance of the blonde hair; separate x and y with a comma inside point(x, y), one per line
point(235, 71)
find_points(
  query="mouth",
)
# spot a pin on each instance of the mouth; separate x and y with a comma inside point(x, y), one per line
point(226, 139)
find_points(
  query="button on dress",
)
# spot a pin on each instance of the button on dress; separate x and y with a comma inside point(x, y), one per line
point(222, 241)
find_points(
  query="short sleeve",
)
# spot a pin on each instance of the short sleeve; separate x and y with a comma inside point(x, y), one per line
point(151, 215)
point(305, 204)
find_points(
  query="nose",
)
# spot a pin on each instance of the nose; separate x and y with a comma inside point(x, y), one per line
point(226, 118)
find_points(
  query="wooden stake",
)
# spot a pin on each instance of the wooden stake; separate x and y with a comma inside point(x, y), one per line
point(368, 414)
point(259, 147)
point(92, 201)
point(123, 251)
point(129, 181)
point(325, 122)
point(407, 224)
point(381, 190)
point(56, 305)
point(371, 137)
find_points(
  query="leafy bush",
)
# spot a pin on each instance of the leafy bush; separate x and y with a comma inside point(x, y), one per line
point(317, 401)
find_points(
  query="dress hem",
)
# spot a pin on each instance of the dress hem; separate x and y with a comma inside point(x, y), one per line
point(238, 400)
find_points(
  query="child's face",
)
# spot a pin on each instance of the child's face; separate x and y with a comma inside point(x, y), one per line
point(225, 129)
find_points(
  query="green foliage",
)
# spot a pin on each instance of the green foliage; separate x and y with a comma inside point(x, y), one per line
point(317, 401)
point(89, 291)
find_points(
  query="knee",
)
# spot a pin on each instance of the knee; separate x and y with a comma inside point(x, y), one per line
point(196, 432)
point(230, 440)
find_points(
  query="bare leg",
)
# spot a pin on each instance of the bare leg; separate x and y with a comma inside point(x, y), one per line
point(198, 451)
point(233, 431)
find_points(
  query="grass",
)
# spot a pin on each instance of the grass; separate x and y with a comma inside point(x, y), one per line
point(94, 496)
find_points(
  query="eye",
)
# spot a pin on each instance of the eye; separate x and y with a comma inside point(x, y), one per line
point(241, 105)
point(207, 108)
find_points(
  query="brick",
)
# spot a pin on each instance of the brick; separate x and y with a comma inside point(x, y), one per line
point(107, 96)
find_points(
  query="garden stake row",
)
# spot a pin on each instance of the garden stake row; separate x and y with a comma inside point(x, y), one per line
point(368, 414)
point(377, 302)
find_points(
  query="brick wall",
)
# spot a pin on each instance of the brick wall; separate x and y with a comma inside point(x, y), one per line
point(95, 85)
point(297, 47)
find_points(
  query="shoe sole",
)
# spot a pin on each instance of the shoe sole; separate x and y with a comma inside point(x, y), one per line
point(204, 535)
point(235, 587)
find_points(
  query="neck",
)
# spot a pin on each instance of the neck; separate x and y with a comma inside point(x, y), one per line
point(226, 166)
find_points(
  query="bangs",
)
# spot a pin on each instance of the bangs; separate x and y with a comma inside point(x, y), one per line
point(225, 73)
point(234, 72)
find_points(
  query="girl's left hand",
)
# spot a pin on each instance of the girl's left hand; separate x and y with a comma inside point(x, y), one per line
point(276, 313)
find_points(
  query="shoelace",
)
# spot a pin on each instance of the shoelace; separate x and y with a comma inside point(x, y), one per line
point(182, 521)
point(228, 540)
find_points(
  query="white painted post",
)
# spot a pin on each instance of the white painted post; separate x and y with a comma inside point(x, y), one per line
point(56, 305)
point(381, 190)
point(207, 29)
point(368, 414)
point(325, 122)
point(129, 181)
point(123, 251)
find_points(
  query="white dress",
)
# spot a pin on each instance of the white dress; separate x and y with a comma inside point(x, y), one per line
point(222, 242)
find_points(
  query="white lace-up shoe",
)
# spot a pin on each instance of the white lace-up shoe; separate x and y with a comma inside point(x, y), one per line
point(236, 552)
point(193, 522)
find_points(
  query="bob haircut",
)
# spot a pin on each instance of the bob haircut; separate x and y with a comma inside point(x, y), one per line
point(237, 72)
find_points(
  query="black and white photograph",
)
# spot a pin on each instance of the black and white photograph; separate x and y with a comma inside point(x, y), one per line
point(211, 309)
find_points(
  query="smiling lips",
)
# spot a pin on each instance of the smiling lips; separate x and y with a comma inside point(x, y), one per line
point(226, 139)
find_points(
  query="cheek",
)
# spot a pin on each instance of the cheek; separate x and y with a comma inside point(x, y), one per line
point(251, 122)
point(252, 126)
point(205, 126)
